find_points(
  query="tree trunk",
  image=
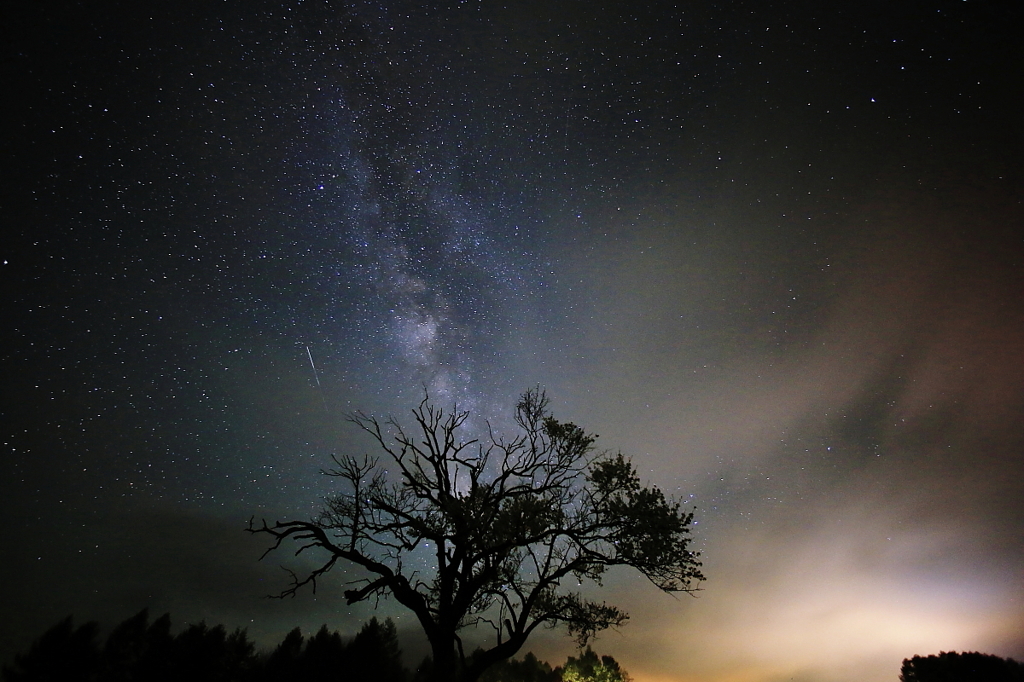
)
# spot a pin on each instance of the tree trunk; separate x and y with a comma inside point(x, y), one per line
point(447, 664)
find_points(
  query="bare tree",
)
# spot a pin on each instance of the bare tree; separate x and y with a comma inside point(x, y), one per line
point(501, 525)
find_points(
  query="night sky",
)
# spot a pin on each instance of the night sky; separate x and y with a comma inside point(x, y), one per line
point(774, 251)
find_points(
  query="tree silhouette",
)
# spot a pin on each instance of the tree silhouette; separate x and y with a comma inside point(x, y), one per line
point(373, 654)
point(464, 532)
point(589, 668)
point(325, 656)
point(376, 654)
point(63, 652)
point(286, 662)
point(208, 654)
point(136, 651)
point(950, 666)
point(529, 669)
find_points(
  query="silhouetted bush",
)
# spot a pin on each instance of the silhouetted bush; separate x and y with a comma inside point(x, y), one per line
point(589, 668)
point(529, 669)
point(966, 667)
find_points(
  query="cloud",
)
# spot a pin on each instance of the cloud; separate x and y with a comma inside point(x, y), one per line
point(859, 485)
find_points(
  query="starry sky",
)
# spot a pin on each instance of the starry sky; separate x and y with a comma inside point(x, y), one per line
point(771, 250)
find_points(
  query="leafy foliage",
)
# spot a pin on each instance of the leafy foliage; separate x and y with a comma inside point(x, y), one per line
point(589, 668)
point(504, 523)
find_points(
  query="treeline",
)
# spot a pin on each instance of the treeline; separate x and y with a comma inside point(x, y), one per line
point(138, 650)
point(950, 666)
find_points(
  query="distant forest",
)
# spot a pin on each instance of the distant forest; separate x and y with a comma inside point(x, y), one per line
point(137, 650)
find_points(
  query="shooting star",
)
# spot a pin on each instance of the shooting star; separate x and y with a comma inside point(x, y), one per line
point(316, 376)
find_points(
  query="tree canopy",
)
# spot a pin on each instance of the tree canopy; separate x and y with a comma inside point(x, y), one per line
point(588, 667)
point(951, 666)
point(471, 532)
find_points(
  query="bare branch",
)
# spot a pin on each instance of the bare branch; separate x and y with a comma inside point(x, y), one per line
point(502, 523)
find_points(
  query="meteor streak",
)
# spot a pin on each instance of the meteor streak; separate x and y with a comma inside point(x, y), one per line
point(316, 376)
